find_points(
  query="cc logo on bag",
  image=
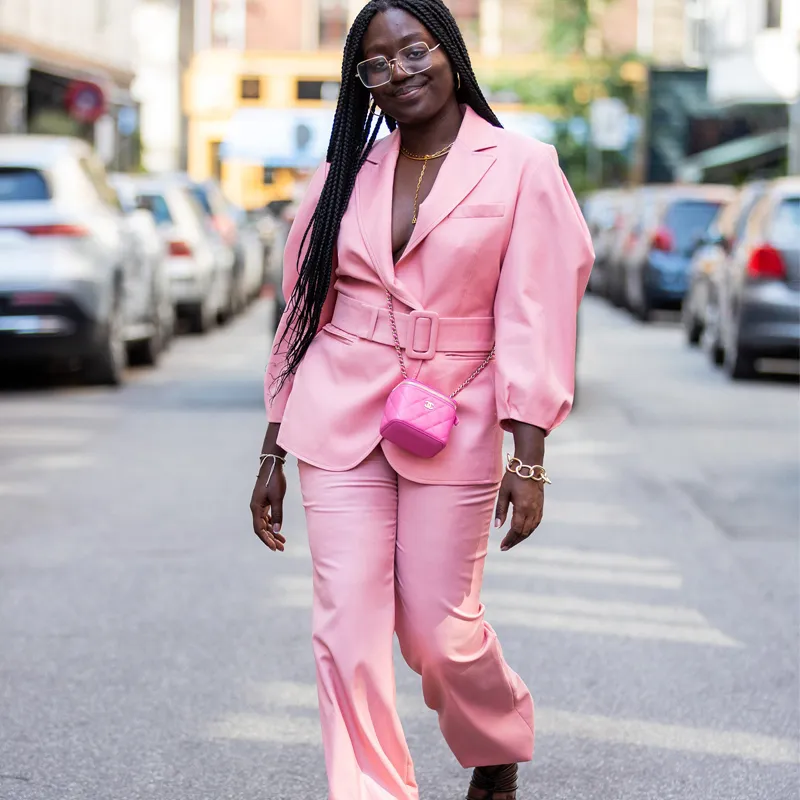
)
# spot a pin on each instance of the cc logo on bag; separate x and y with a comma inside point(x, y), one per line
point(430, 406)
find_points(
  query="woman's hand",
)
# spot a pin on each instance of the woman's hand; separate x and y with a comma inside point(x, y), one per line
point(527, 497)
point(266, 504)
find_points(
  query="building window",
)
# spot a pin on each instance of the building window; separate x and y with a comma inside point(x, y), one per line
point(318, 90)
point(773, 13)
point(268, 178)
point(250, 89)
point(696, 44)
point(333, 23)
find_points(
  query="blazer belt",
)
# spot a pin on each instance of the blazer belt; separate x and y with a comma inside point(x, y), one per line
point(422, 333)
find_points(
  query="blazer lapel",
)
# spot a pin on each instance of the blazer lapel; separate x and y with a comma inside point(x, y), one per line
point(466, 164)
point(374, 190)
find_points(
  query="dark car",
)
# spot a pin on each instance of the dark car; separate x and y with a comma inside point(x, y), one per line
point(700, 303)
point(759, 284)
point(657, 269)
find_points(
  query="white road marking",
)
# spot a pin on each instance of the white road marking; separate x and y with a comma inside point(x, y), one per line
point(584, 575)
point(584, 513)
point(569, 604)
point(21, 489)
point(22, 436)
point(631, 629)
point(304, 729)
point(596, 558)
point(682, 738)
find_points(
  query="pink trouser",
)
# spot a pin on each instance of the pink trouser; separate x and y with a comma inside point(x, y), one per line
point(392, 556)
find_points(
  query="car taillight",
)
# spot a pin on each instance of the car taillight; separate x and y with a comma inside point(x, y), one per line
point(766, 262)
point(178, 248)
point(662, 240)
point(72, 231)
point(21, 299)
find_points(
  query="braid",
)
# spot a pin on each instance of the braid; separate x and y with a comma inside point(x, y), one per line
point(355, 129)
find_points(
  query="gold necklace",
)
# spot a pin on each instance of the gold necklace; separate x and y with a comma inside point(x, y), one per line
point(424, 159)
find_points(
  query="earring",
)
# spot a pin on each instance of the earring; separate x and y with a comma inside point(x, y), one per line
point(458, 80)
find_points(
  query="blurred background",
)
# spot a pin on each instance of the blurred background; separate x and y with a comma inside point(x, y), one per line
point(152, 155)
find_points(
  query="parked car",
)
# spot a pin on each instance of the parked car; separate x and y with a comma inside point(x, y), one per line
point(603, 213)
point(759, 283)
point(633, 220)
point(149, 296)
point(704, 268)
point(199, 283)
point(67, 274)
point(656, 267)
point(239, 245)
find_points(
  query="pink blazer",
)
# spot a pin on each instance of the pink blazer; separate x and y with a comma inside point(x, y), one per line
point(500, 253)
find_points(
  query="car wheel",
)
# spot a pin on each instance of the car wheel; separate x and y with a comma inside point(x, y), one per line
point(201, 318)
point(106, 366)
point(692, 326)
point(643, 310)
point(739, 364)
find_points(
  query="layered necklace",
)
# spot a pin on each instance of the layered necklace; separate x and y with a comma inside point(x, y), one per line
point(424, 159)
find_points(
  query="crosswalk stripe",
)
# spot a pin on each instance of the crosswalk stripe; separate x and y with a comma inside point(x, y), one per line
point(20, 435)
point(569, 604)
point(569, 555)
point(641, 733)
point(278, 724)
point(626, 628)
point(586, 513)
point(584, 575)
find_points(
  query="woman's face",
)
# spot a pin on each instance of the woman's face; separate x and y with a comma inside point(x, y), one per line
point(410, 99)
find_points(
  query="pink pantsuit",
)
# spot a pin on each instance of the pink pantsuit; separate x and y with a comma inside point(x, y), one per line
point(500, 254)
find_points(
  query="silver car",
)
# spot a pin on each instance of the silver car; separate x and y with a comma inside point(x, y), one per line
point(759, 284)
point(199, 279)
point(66, 270)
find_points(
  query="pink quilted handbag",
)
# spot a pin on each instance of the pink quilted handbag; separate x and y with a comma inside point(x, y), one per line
point(417, 418)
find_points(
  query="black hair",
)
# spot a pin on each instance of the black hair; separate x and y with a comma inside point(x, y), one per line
point(355, 129)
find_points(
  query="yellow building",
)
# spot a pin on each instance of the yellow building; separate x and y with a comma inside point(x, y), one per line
point(261, 90)
point(245, 108)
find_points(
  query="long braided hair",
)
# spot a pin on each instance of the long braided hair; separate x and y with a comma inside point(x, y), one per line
point(355, 129)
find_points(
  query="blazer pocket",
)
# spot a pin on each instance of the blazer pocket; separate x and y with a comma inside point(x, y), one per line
point(475, 210)
point(338, 333)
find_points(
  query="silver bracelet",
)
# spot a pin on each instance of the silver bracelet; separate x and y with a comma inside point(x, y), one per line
point(275, 459)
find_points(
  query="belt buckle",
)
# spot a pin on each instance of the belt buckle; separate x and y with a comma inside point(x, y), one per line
point(414, 318)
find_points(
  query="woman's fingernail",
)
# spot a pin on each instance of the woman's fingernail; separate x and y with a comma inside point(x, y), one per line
point(497, 522)
point(277, 528)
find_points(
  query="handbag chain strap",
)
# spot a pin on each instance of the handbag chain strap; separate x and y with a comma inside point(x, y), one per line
point(488, 360)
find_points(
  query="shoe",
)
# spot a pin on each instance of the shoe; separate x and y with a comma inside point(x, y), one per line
point(494, 783)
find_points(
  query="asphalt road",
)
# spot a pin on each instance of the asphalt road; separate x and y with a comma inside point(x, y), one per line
point(150, 647)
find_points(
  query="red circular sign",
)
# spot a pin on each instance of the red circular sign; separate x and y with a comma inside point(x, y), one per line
point(85, 101)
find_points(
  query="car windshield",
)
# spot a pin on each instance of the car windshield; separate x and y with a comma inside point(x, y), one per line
point(786, 223)
point(21, 184)
point(157, 206)
point(688, 220)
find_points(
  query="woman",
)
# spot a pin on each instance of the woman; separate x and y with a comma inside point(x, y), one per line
point(454, 252)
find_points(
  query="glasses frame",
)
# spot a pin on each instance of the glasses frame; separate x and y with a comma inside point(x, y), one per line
point(395, 61)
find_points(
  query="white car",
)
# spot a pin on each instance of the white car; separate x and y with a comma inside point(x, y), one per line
point(66, 265)
point(198, 277)
point(149, 298)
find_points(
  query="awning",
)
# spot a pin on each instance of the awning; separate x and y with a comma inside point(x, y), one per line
point(275, 137)
point(298, 138)
point(762, 146)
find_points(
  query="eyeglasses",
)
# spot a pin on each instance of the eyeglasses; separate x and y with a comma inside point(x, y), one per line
point(412, 60)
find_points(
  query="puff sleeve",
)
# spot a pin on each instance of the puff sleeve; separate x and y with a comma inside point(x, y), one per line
point(275, 400)
point(543, 277)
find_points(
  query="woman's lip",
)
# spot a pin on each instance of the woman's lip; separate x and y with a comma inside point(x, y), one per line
point(409, 92)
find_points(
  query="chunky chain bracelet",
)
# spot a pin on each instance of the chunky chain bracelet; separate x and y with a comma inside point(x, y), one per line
point(526, 472)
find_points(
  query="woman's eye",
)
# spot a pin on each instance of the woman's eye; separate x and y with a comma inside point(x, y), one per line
point(417, 53)
point(379, 64)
